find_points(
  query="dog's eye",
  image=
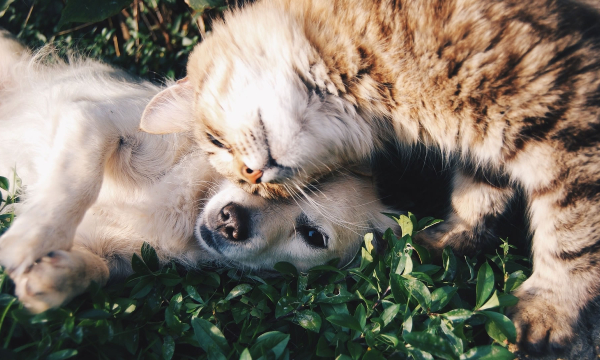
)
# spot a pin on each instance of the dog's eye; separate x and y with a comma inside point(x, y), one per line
point(313, 237)
point(215, 142)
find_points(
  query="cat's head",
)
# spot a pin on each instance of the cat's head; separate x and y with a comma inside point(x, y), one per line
point(260, 103)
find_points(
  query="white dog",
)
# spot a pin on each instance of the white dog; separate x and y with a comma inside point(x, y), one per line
point(96, 188)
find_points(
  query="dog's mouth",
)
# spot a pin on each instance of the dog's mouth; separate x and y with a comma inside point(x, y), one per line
point(206, 238)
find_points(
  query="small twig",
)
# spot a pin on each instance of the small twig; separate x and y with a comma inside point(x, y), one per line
point(73, 29)
point(163, 30)
point(114, 37)
point(385, 293)
point(123, 26)
point(26, 19)
point(136, 17)
point(145, 18)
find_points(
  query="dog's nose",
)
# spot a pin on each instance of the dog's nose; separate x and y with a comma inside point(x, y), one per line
point(232, 222)
point(253, 176)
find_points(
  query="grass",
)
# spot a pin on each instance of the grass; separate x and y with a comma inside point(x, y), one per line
point(399, 305)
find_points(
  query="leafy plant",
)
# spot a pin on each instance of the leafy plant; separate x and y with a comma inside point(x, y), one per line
point(145, 37)
point(398, 305)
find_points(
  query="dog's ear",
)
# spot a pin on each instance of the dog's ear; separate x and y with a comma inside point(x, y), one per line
point(170, 111)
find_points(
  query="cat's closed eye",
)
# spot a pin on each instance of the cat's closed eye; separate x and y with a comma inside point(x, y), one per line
point(216, 142)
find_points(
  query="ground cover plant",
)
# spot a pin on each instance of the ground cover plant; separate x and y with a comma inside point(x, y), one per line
point(397, 304)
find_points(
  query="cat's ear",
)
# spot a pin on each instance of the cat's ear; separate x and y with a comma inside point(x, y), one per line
point(170, 111)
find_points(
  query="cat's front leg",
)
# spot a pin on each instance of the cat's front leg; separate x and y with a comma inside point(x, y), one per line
point(566, 254)
point(476, 203)
point(69, 180)
point(58, 277)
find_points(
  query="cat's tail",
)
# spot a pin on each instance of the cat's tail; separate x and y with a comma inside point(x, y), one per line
point(12, 52)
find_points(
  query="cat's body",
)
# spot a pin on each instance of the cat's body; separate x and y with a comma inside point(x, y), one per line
point(290, 90)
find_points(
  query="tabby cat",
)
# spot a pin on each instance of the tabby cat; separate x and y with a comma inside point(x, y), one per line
point(285, 91)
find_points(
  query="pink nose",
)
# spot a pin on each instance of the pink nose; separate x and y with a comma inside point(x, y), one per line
point(253, 176)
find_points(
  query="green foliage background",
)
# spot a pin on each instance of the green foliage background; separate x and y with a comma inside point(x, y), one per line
point(399, 305)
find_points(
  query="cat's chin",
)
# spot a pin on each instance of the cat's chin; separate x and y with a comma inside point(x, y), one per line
point(265, 190)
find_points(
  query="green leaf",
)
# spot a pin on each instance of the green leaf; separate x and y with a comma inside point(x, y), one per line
point(285, 305)
point(325, 268)
point(419, 291)
point(193, 293)
point(493, 302)
point(354, 349)
point(450, 265)
point(210, 338)
point(323, 349)
point(455, 341)
point(514, 280)
point(430, 343)
point(389, 313)
point(272, 341)
point(494, 332)
point(360, 314)
point(423, 253)
point(270, 291)
point(487, 352)
point(368, 239)
point(485, 284)
point(508, 300)
point(458, 315)
point(343, 297)
point(138, 265)
point(406, 225)
point(398, 290)
point(426, 222)
point(238, 290)
point(168, 348)
point(62, 354)
point(245, 355)
point(4, 181)
point(149, 256)
point(503, 324)
point(441, 297)
point(420, 355)
point(373, 354)
point(90, 11)
point(286, 268)
point(345, 320)
point(201, 5)
point(309, 320)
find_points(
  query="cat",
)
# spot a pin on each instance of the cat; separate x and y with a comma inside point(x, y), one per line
point(95, 189)
point(285, 91)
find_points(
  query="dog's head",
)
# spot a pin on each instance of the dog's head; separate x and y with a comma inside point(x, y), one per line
point(318, 224)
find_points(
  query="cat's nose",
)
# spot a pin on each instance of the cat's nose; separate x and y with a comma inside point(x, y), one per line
point(253, 176)
point(232, 222)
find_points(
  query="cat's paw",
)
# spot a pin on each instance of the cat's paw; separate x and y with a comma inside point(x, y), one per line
point(542, 325)
point(52, 281)
point(457, 236)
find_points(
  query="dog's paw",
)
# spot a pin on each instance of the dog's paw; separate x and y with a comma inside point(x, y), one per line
point(52, 281)
point(24, 244)
point(543, 326)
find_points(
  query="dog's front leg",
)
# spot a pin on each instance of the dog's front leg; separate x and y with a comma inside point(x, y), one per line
point(70, 177)
point(58, 277)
